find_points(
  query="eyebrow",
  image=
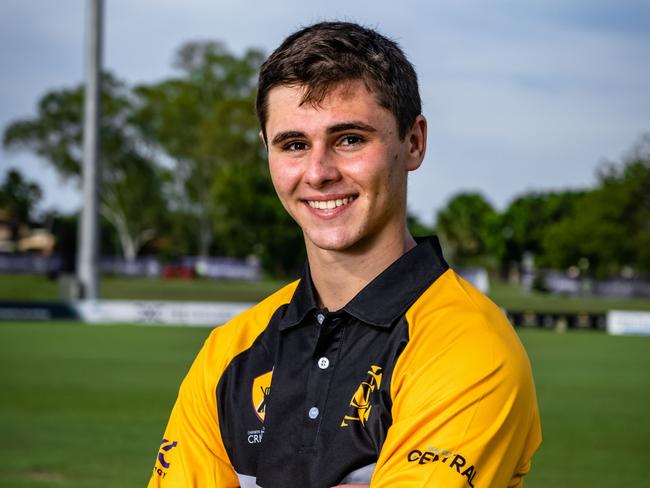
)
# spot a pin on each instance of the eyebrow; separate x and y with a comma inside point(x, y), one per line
point(280, 137)
point(342, 127)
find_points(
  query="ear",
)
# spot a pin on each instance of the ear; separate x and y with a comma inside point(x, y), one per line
point(263, 139)
point(416, 143)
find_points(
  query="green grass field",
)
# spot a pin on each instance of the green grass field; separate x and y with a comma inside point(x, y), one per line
point(33, 287)
point(38, 287)
point(85, 406)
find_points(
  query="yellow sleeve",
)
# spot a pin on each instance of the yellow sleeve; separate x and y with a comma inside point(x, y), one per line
point(464, 404)
point(192, 452)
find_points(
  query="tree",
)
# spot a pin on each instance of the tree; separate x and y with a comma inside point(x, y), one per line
point(132, 202)
point(204, 120)
point(131, 183)
point(464, 226)
point(525, 223)
point(18, 198)
point(610, 225)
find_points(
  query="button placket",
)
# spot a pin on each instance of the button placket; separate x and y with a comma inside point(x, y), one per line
point(320, 375)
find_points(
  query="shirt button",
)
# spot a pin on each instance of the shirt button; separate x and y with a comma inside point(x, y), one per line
point(323, 363)
point(313, 412)
point(320, 317)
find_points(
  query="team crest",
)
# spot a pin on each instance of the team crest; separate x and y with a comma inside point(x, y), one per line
point(360, 407)
point(260, 394)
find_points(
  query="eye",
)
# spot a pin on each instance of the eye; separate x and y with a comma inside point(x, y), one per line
point(350, 140)
point(295, 146)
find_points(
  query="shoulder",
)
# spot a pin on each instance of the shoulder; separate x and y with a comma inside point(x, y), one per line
point(451, 312)
point(463, 383)
point(458, 332)
point(238, 334)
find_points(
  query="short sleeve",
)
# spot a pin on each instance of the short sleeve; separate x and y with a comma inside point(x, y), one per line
point(192, 453)
point(464, 410)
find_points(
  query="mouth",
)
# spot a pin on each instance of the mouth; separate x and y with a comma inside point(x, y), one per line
point(331, 204)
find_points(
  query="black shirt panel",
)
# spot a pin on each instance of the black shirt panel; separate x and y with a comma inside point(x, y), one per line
point(319, 452)
point(242, 429)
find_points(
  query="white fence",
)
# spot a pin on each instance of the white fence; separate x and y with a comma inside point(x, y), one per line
point(158, 312)
point(628, 323)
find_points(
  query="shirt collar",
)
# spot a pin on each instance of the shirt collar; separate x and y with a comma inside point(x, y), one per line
point(302, 302)
point(385, 298)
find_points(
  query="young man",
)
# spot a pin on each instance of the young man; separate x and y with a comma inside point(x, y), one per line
point(380, 366)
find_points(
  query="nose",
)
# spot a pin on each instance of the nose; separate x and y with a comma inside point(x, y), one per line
point(321, 167)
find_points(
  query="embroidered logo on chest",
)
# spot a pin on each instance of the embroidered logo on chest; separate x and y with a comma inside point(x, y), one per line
point(359, 410)
point(260, 394)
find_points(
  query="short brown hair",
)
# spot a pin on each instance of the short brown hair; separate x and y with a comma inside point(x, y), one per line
point(323, 55)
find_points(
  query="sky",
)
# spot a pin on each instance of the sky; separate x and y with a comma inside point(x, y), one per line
point(519, 96)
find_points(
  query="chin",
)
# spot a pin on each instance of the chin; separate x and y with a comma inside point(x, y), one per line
point(331, 242)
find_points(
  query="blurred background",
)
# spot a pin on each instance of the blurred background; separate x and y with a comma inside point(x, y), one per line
point(536, 180)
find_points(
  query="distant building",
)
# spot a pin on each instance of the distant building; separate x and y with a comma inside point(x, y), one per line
point(22, 237)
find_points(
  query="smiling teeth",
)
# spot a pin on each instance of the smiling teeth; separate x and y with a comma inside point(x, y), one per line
point(329, 204)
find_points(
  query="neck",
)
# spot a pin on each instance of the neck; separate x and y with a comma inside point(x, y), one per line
point(339, 275)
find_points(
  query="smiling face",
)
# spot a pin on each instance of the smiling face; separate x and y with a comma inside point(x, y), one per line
point(339, 168)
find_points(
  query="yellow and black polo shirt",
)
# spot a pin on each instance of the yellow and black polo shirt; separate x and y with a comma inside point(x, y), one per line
point(418, 381)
